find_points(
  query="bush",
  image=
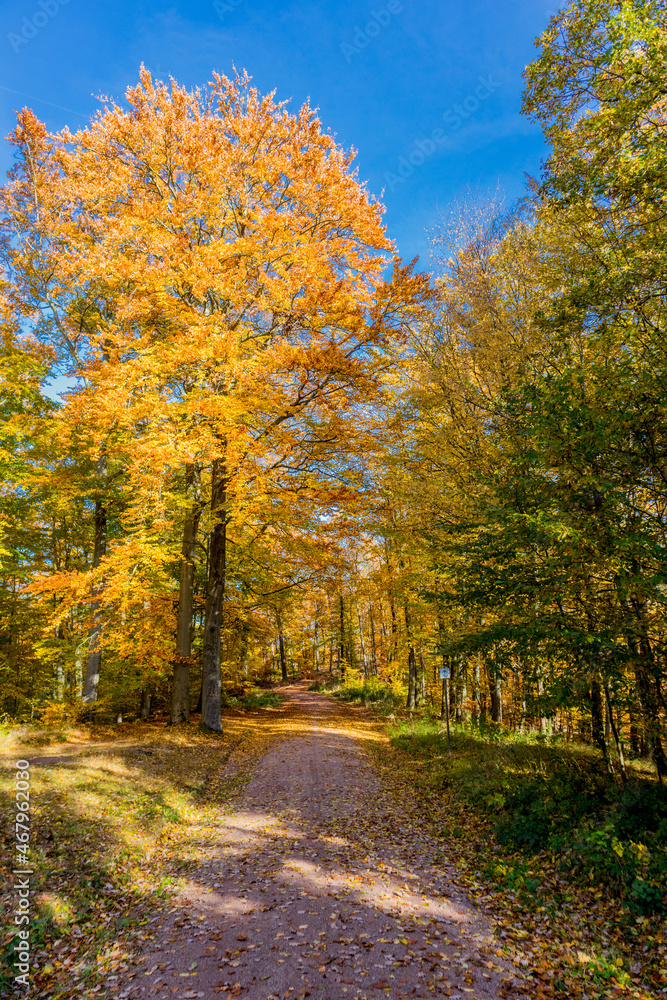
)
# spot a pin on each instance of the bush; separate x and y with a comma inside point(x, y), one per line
point(369, 691)
point(555, 798)
point(255, 699)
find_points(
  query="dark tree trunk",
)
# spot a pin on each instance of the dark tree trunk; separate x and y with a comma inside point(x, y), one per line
point(180, 689)
point(374, 664)
point(476, 689)
point(341, 654)
point(646, 682)
point(413, 679)
point(459, 686)
point(615, 732)
point(212, 688)
point(362, 643)
point(495, 690)
point(283, 658)
point(92, 679)
point(145, 709)
point(597, 721)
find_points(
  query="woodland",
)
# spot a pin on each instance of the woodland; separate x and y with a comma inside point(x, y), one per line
point(283, 451)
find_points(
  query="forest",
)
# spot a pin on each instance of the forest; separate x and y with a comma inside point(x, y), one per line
point(244, 444)
point(281, 448)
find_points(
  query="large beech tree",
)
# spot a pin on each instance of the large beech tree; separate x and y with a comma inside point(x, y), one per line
point(231, 267)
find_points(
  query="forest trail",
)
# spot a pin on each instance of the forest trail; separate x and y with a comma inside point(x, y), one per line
point(321, 886)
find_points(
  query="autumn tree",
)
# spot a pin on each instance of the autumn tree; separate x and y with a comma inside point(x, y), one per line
point(226, 270)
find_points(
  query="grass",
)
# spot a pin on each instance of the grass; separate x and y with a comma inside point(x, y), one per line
point(257, 698)
point(370, 692)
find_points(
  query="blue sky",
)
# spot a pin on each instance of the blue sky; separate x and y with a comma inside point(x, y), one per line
point(428, 92)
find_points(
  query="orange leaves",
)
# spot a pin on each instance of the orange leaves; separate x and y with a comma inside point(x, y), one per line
point(210, 272)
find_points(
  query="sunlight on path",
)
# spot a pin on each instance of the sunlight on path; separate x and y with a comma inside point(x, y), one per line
point(321, 887)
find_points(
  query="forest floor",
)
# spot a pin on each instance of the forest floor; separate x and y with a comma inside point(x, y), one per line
point(294, 857)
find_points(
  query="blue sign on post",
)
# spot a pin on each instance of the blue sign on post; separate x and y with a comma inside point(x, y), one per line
point(444, 673)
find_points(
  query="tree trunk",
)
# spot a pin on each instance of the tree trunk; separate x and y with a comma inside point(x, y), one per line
point(544, 721)
point(646, 683)
point(460, 687)
point(341, 653)
point(374, 662)
point(476, 689)
point(363, 646)
point(180, 687)
point(94, 664)
point(392, 652)
point(495, 690)
point(617, 738)
point(283, 658)
point(422, 667)
point(145, 709)
point(411, 703)
point(212, 687)
point(597, 721)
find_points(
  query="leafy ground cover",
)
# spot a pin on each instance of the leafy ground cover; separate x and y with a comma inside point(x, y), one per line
point(119, 815)
point(572, 865)
point(370, 692)
point(532, 832)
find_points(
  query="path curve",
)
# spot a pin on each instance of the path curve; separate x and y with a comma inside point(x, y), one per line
point(320, 886)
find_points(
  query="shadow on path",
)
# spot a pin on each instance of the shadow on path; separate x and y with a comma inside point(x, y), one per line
point(321, 886)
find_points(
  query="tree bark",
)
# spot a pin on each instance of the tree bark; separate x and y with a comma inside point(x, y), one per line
point(211, 682)
point(413, 679)
point(283, 658)
point(495, 690)
point(145, 709)
point(341, 648)
point(180, 688)
point(597, 722)
point(92, 679)
point(617, 738)
point(374, 663)
point(361, 640)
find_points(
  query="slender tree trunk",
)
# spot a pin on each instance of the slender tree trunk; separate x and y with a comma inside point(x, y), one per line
point(422, 667)
point(180, 688)
point(145, 709)
point(212, 686)
point(413, 680)
point(283, 658)
point(634, 735)
point(461, 687)
point(92, 679)
point(341, 647)
point(476, 689)
point(617, 739)
point(544, 722)
point(393, 651)
point(646, 683)
point(495, 690)
point(374, 662)
point(363, 645)
point(597, 721)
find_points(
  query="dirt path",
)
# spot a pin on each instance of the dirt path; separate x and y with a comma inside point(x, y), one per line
point(320, 886)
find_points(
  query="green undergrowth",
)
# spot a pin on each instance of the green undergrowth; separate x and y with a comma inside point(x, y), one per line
point(254, 699)
point(556, 799)
point(370, 692)
point(561, 855)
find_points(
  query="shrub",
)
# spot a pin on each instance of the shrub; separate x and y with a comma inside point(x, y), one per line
point(369, 691)
point(256, 699)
